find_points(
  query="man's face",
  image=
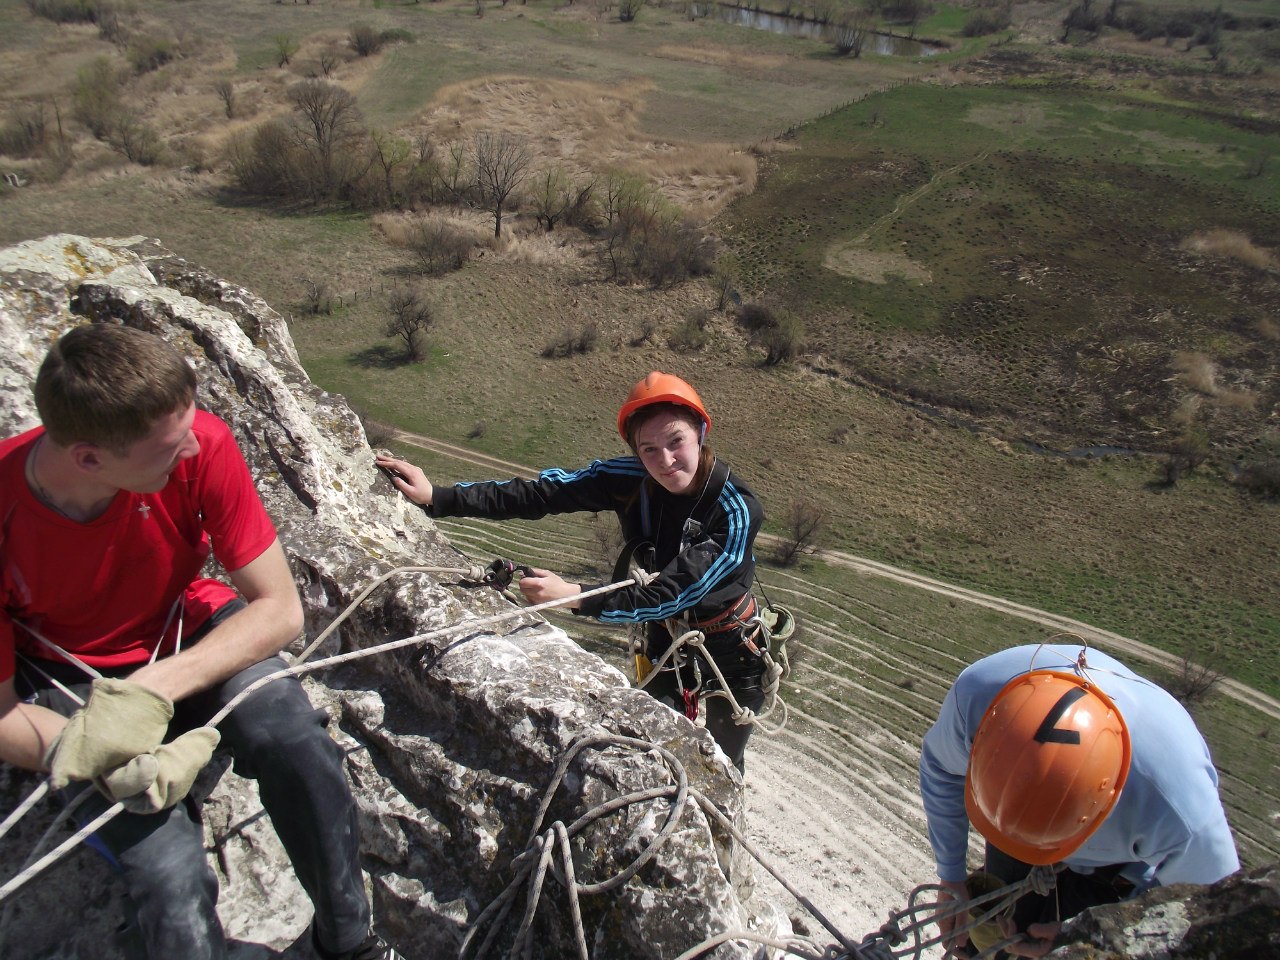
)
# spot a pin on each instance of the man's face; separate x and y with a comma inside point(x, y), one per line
point(145, 467)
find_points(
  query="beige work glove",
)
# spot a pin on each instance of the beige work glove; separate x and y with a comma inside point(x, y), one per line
point(121, 720)
point(987, 934)
point(155, 781)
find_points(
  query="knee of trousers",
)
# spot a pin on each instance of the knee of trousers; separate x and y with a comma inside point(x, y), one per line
point(281, 735)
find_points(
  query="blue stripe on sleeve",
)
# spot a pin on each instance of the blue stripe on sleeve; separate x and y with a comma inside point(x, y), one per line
point(734, 553)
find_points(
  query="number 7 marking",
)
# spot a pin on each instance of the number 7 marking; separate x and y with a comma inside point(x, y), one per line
point(1049, 731)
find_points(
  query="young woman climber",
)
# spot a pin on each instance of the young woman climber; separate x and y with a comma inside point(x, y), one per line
point(685, 518)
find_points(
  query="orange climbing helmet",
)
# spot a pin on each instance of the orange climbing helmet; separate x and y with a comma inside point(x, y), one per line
point(1047, 765)
point(660, 387)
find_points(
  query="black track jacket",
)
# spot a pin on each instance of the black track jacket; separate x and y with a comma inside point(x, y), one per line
point(703, 569)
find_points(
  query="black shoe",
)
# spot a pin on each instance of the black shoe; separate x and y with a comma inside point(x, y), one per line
point(373, 948)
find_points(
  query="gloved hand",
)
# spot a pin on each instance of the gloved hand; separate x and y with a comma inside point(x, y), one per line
point(155, 781)
point(987, 934)
point(120, 720)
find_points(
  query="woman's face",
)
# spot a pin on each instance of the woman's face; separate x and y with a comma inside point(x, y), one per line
point(667, 445)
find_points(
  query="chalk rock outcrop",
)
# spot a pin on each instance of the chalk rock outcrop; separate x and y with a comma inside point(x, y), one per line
point(1237, 918)
point(451, 741)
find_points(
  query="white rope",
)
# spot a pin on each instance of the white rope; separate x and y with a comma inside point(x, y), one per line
point(297, 670)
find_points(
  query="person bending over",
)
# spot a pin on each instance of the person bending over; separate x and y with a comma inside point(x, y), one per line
point(1058, 754)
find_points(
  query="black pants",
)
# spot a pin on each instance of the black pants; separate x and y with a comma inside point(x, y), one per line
point(1073, 892)
point(277, 739)
point(743, 672)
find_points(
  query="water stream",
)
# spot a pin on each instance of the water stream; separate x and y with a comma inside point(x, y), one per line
point(881, 43)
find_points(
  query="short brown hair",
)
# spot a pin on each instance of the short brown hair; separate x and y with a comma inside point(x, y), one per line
point(108, 384)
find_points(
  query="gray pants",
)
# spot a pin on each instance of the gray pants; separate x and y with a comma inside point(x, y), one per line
point(277, 739)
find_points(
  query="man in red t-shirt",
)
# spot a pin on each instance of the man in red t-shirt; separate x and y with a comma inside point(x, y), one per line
point(114, 653)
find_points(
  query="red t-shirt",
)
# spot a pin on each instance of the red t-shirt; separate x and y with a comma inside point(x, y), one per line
point(106, 590)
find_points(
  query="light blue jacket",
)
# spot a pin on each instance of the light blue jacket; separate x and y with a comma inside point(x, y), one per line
point(1168, 825)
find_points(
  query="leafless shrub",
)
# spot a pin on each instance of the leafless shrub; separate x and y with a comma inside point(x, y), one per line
point(838, 435)
point(551, 194)
point(628, 10)
point(411, 316)
point(24, 134)
point(783, 341)
point(137, 139)
point(378, 434)
point(849, 33)
point(1196, 371)
point(573, 339)
point(364, 40)
point(1231, 245)
point(319, 296)
point(1194, 681)
point(477, 430)
point(1188, 449)
point(96, 98)
point(805, 520)
point(1261, 477)
point(724, 277)
point(263, 161)
point(226, 91)
point(148, 52)
point(111, 23)
point(606, 535)
point(691, 334)
point(439, 245)
point(285, 46)
point(648, 327)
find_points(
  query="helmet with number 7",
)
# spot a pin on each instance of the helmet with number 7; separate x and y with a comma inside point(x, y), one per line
point(659, 387)
point(1047, 765)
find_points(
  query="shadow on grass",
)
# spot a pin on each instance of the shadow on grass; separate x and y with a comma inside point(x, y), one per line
point(382, 356)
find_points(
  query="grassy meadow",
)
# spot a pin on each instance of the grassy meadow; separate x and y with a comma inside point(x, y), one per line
point(999, 254)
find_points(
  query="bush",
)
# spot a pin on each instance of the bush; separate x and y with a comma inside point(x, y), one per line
point(137, 140)
point(986, 21)
point(1261, 478)
point(572, 340)
point(364, 40)
point(756, 316)
point(24, 134)
point(65, 11)
point(784, 340)
point(691, 334)
point(439, 245)
point(149, 53)
point(397, 35)
point(378, 434)
point(95, 98)
point(628, 10)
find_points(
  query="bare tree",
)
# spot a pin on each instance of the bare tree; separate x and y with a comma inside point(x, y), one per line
point(227, 94)
point(286, 47)
point(328, 120)
point(850, 31)
point(411, 316)
point(389, 152)
point(805, 520)
point(502, 164)
point(552, 195)
point(724, 278)
point(1194, 682)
